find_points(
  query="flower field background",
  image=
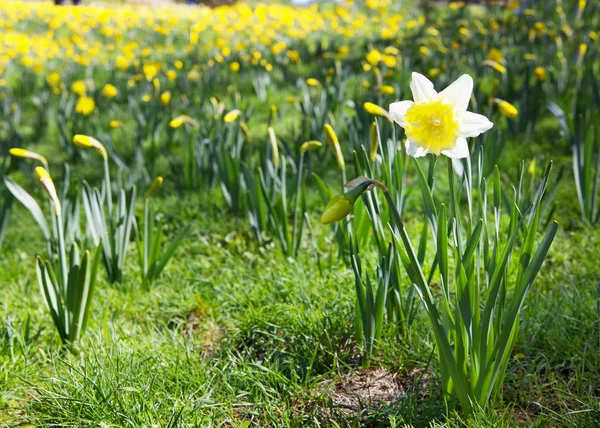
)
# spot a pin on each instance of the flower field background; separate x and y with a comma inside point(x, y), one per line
point(273, 215)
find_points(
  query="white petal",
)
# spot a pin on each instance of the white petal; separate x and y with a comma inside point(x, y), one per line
point(422, 89)
point(459, 92)
point(415, 151)
point(473, 124)
point(398, 110)
point(460, 150)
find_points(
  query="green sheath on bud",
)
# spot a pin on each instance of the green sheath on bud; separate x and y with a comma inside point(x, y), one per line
point(341, 205)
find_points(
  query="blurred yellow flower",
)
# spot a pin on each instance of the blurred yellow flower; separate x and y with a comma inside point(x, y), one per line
point(79, 87)
point(506, 108)
point(540, 73)
point(85, 105)
point(234, 66)
point(373, 57)
point(150, 71)
point(165, 98)
point(53, 79)
point(109, 91)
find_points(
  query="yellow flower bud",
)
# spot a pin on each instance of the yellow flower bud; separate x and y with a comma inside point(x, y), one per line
point(337, 208)
point(495, 65)
point(310, 146)
point(311, 81)
point(245, 130)
point(375, 110)
point(332, 140)
point(341, 205)
point(26, 154)
point(540, 73)
point(374, 142)
point(274, 147)
point(232, 115)
point(87, 142)
point(181, 119)
point(272, 114)
point(115, 124)
point(155, 185)
point(582, 50)
point(506, 108)
point(48, 185)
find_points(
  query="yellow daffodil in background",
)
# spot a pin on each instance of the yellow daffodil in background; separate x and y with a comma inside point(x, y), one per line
point(165, 98)
point(540, 73)
point(85, 105)
point(439, 123)
point(79, 87)
point(53, 79)
point(109, 91)
point(150, 71)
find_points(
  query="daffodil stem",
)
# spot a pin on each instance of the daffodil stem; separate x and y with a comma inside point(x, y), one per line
point(295, 239)
point(108, 187)
point(62, 252)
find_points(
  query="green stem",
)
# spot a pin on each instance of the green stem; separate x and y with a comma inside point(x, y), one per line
point(108, 189)
point(296, 239)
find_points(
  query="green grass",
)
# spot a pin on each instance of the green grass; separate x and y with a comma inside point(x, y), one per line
point(234, 334)
point(237, 334)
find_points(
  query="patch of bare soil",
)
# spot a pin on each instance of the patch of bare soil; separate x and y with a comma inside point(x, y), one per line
point(362, 389)
point(200, 326)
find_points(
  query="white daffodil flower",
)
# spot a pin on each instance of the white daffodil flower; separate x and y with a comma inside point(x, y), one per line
point(439, 123)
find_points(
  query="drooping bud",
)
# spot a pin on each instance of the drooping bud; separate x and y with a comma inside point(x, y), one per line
point(332, 139)
point(376, 110)
point(26, 154)
point(506, 108)
point(87, 142)
point(310, 146)
point(232, 115)
point(154, 186)
point(181, 119)
point(48, 185)
point(341, 205)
